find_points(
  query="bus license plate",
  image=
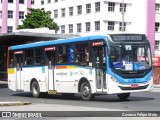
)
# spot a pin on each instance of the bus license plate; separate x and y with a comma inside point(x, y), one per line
point(134, 86)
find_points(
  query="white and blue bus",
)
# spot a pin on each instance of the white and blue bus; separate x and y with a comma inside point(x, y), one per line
point(93, 65)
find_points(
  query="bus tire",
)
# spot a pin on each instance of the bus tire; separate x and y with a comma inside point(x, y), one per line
point(86, 92)
point(35, 89)
point(123, 96)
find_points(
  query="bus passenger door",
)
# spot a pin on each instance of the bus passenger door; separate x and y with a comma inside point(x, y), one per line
point(50, 64)
point(19, 63)
point(99, 63)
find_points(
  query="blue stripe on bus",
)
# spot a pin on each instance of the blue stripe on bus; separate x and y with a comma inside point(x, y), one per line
point(60, 41)
point(130, 80)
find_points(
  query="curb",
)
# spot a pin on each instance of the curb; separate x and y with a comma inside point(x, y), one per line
point(156, 86)
point(18, 103)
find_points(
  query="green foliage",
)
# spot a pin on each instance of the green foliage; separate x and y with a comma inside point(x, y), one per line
point(38, 18)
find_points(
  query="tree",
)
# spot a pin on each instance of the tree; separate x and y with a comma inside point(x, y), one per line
point(38, 18)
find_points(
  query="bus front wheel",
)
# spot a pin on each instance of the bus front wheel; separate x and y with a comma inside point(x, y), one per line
point(35, 89)
point(86, 93)
point(123, 96)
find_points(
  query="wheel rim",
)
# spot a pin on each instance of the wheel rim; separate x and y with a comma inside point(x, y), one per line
point(86, 91)
point(35, 89)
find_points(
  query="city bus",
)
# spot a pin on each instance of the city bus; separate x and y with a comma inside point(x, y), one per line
point(117, 64)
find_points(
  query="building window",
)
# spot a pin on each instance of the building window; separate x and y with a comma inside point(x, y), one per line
point(9, 29)
point(42, 2)
point(111, 6)
point(71, 28)
point(21, 15)
point(157, 8)
point(97, 25)
point(157, 45)
point(32, 2)
point(63, 12)
point(49, 1)
point(120, 26)
point(21, 1)
point(88, 8)
point(10, 1)
point(111, 25)
point(88, 26)
point(10, 14)
point(0, 14)
point(121, 7)
point(55, 13)
point(97, 6)
point(79, 9)
point(56, 0)
point(62, 29)
point(70, 11)
point(79, 27)
point(157, 25)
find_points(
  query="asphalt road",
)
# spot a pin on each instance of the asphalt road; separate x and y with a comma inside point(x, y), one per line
point(144, 101)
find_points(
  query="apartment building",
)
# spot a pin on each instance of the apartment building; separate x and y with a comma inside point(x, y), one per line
point(11, 14)
point(157, 28)
point(90, 17)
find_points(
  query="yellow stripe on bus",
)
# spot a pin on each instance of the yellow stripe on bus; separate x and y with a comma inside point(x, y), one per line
point(11, 71)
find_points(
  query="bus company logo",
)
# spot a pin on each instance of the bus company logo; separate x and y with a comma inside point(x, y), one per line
point(61, 74)
point(81, 73)
point(76, 73)
point(134, 80)
point(6, 114)
point(73, 73)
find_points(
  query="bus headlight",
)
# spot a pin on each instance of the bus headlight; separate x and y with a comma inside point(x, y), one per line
point(150, 79)
point(114, 79)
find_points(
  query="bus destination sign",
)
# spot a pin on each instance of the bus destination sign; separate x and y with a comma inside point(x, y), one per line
point(18, 52)
point(50, 49)
point(98, 43)
point(127, 37)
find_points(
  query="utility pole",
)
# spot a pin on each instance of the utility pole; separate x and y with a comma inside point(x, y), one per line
point(122, 15)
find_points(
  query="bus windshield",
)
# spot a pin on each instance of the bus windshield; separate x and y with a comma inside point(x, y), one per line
point(130, 57)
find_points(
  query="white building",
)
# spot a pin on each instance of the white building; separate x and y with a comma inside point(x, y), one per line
point(87, 17)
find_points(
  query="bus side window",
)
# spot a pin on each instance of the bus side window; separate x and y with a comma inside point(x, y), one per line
point(66, 54)
point(39, 56)
point(11, 59)
point(82, 54)
point(60, 54)
point(29, 57)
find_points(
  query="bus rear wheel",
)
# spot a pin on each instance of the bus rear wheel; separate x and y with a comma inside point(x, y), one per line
point(35, 89)
point(86, 93)
point(123, 96)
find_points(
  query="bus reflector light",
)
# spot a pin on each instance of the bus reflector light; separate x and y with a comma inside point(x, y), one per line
point(52, 92)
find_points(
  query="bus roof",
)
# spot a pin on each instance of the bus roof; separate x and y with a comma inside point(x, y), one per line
point(59, 41)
